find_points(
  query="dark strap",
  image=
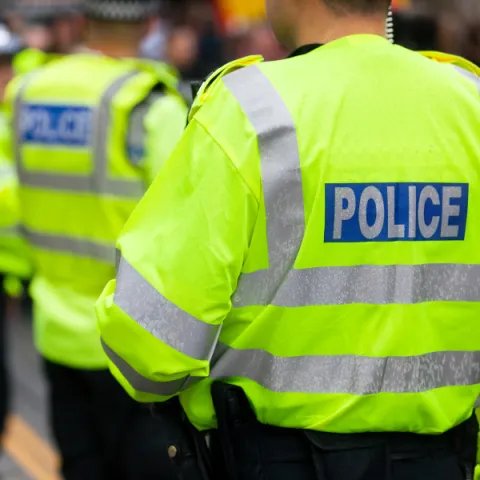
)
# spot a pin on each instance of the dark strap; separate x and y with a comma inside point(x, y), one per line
point(226, 409)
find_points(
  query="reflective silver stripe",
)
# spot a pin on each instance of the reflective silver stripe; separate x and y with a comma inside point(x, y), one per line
point(281, 285)
point(77, 183)
point(98, 181)
point(118, 258)
point(369, 284)
point(104, 184)
point(50, 181)
point(162, 318)
point(75, 246)
point(469, 75)
point(140, 383)
point(328, 374)
point(351, 374)
point(281, 176)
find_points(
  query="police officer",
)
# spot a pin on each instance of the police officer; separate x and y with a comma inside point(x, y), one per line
point(305, 271)
point(14, 259)
point(92, 131)
point(48, 28)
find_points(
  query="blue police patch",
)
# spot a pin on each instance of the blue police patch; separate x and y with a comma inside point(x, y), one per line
point(62, 125)
point(388, 212)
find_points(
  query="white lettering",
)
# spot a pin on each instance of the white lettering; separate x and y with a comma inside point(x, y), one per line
point(71, 126)
point(412, 211)
point(42, 125)
point(342, 214)
point(449, 211)
point(428, 193)
point(394, 230)
point(371, 231)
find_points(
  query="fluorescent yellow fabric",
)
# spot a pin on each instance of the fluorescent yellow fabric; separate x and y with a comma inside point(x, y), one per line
point(453, 60)
point(369, 336)
point(30, 59)
point(209, 85)
point(78, 185)
point(14, 255)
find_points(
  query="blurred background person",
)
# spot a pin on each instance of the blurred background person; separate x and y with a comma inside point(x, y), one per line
point(14, 258)
point(47, 28)
point(256, 39)
point(67, 27)
point(93, 129)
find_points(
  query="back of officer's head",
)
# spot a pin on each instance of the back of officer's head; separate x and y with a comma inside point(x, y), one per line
point(116, 27)
point(288, 16)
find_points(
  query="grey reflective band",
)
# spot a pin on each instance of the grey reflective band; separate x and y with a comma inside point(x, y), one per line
point(98, 182)
point(73, 246)
point(162, 318)
point(104, 184)
point(351, 374)
point(469, 75)
point(140, 383)
point(325, 374)
point(281, 284)
point(281, 174)
point(368, 284)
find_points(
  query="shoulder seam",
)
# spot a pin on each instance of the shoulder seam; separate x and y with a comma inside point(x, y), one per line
point(220, 146)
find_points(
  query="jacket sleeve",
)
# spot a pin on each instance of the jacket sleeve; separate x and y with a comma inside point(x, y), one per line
point(181, 254)
point(155, 127)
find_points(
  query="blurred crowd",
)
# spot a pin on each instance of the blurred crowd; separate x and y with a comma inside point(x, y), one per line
point(196, 36)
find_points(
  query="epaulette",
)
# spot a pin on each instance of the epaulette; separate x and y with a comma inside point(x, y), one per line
point(208, 86)
point(441, 57)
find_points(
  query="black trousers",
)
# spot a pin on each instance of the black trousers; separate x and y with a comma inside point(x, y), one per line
point(249, 450)
point(4, 382)
point(102, 434)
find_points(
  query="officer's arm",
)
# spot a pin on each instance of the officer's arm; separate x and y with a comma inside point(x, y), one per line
point(155, 127)
point(182, 252)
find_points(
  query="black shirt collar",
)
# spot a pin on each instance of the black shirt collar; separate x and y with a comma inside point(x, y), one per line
point(303, 50)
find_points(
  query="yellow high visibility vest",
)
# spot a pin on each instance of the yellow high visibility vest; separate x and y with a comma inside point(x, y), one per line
point(78, 187)
point(313, 240)
point(14, 255)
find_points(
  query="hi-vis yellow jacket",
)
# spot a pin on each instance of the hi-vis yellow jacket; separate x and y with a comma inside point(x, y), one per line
point(15, 259)
point(314, 240)
point(91, 133)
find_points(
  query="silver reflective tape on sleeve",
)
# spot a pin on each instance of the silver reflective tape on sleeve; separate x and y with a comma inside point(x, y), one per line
point(469, 75)
point(140, 383)
point(162, 318)
point(281, 174)
point(80, 247)
point(350, 374)
point(118, 258)
point(368, 284)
